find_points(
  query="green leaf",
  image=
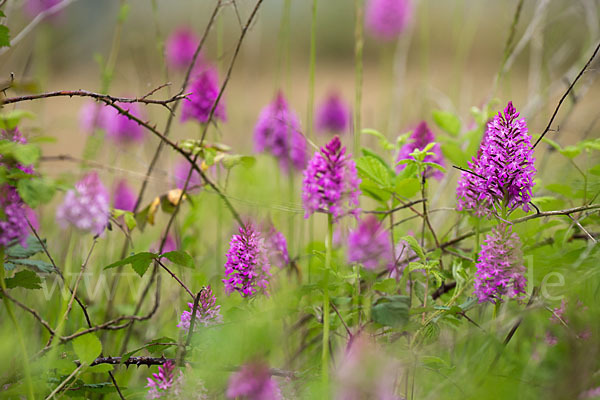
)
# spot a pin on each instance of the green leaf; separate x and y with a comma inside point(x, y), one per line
point(386, 286)
point(33, 247)
point(447, 121)
point(26, 279)
point(41, 266)
point(391, 311)
point(180, 258)
point(4, 36)
point(383, 141)
point(407, 187)
point(13, 118)
point(139, 262)
point(414, 245)
point(374, 169)
point(36, 191)
point(453, 152)
point(231, 160)
point(87, 347)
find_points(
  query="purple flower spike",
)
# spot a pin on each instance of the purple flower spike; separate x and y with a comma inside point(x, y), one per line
point(93, 116)
point(13, 222)
point(502, 174)
point(370, 245)
point(387, 19)
point(277, 248)
point(330, 182)
point(168, 385)
point(124, 198)
point(207, 313)
point(277, 131)
point(204, 92)
point(419, 139)
point(182, 169)
point(247, 266)
point(180, 48)
point(500, 269)
point(86, 207)
point(253, 382)
point(119, 128)
point(333, 116)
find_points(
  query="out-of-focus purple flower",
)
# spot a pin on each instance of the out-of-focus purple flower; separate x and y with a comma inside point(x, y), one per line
point(277, 131)
point(387, 19)
point(208, 312)
point(590, 394)
point(559, 313)
point(13, 222)
point(330, 182)
point(276, 245)
point(500, 269)
point(92, 116)
point(369, 245)
point(253, 382)
point(204, 92)
point(181, 171)
point(34, 7)
point(120, 128)
point(502, 175)
point(333, 115)
point(550, 339)
point(419, 139)
point(180, 48)
point(124, 198)
point(170, 245)
point(247, 266)
point(365, 372)
point(86, 207)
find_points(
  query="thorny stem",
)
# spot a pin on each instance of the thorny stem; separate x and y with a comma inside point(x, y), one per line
point(19, 332)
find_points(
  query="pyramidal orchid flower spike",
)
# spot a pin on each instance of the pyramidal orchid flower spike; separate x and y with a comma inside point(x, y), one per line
point(204, 92)
point(333, 115)
point(13, 222)
point(86, 207)
point(124, 198)
point(247, 266)
point(387, 19)
point(502, 175)
point(277, 131)
point(180, 48)
point(330, 182)
point(419, 139)
point(253, 382)
point(119, 128)
point(168, 384)
point(369, 244)
point(277, 248)
point(208, 312)
point(500, 271)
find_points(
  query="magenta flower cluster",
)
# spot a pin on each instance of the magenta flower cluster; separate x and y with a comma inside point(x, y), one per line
point(387, 19)
point(500, 270)
point(180, 48)
point(13, 222)
point(123, 196)
point(253, 382)
point(204, 93)
point(208, 312)
point(118, 127)
point(247, 266)
point(369, 244)
point(277, 131)
point(277, 248)
point(502, 175)
point(330, 182)
point(419, 139)
point(333, 115)
point(86, 207)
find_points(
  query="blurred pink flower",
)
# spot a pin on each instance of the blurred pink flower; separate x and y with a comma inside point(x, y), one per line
point(124, 198)
point(180, 48)
point(121, 129)
point(387, 19)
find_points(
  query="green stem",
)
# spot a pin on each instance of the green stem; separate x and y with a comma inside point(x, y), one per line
point(325, 354)
point(313, 58)
point(13, 318)
point(358, 77)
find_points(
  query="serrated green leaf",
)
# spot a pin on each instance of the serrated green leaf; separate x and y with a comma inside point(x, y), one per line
point(179, 257)
point(39, 265)
point(449, 122)
point(87, 347)
point(26, 279)
point(33, 247)
point(391, 311)
point(414, 245)
point(36, 191)
point(139, 262)
point(374, 169)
